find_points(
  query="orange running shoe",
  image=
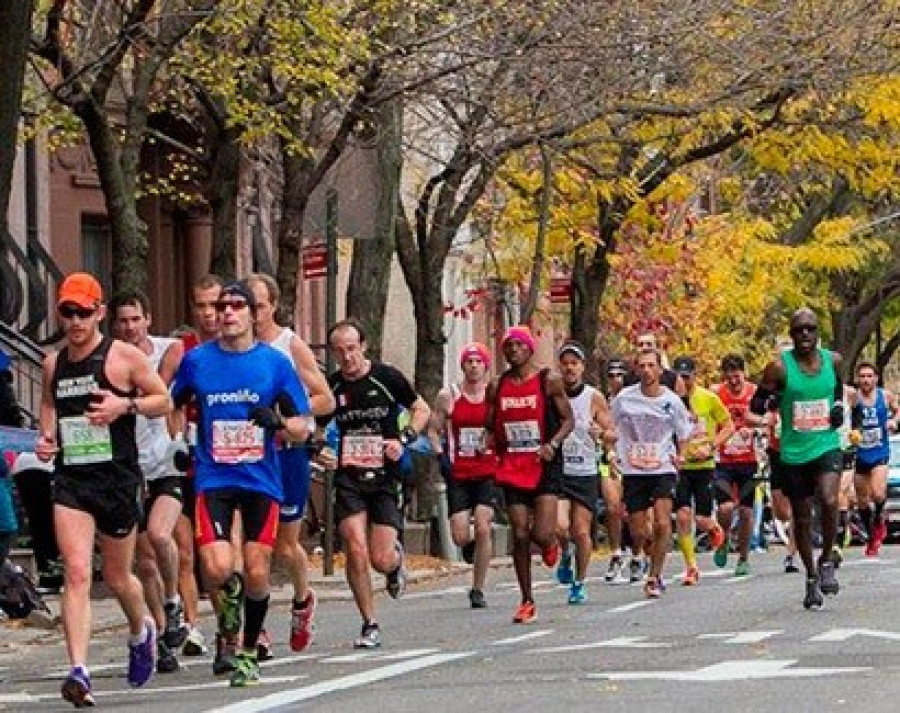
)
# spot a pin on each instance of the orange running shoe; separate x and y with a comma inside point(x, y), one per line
point(716, 537)
point(525, 614)
point(691, 577)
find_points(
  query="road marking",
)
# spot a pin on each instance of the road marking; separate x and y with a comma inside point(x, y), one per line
point(440, 593)
point(286, 698)
point(630, 607)
point(188, 664)
point(622, 642)
point(867, 562)
point(524, 637)
point(733, 579)
point(846, 634)
point(742, 637)
point(378, 656)
point(730, 671)
point(7, 699)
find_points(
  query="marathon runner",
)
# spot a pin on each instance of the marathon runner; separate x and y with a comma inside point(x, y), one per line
point(371, 443)
point(529, 417)
point(711, 427)
point(875, 416)
point(804, 380)
point(92, 391)
point(157, 553)
point(294, 458)
point(458, 436)
point(579, 493)
point(653, 427)
point(849, 439)
point(247, 394)
point(611, 483)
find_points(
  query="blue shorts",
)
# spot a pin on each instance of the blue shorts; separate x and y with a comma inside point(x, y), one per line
point(295, 471)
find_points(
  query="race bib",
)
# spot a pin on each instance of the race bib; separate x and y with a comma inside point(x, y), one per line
point(362, 451)
point(237, 442)
point(574, 451)
point(871, 438)
point(645, 456)
point(84, 443)
point(811, 416)
point(470, 441)
point(523, 436)
point(741, 443)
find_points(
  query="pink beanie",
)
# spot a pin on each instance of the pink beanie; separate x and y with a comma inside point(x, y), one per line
point(521, 333)
point(475, 349)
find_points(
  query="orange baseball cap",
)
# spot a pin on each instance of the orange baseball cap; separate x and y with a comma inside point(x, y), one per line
point(82, 289)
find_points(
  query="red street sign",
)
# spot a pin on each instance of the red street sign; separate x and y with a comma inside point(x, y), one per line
point(315, 261)
point(560, 289)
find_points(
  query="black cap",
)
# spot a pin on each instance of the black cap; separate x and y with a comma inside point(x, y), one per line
point(239, 288)
point(684, 365)
point(616, 367)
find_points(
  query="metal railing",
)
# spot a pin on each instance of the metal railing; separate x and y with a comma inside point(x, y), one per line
point(27, 358)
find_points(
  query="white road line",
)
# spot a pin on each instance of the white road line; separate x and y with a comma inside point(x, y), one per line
point(286, 698)
point(622, 642)
point(188, 663)
point(630, 607)
point(733, 580)
point(729, 671)
point(439, 593)
point(524, 637)
point(868, 562)
point(742, 637)
point(378, 656)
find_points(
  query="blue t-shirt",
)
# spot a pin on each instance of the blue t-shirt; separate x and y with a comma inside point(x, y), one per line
point(874, 446)
point(232, 452)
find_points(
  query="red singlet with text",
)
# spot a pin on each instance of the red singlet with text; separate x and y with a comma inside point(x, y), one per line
point(467, 435)
point(740, 447)
point(519, 430)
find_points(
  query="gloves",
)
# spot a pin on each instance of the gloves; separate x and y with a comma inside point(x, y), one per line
point(836, 415)
point(266, 418)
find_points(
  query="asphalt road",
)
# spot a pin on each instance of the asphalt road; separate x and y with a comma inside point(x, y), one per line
point(740, 643)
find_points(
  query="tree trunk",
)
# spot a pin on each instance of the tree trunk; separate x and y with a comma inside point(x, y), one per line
point(529, 304)
point(295, 197)
point(221, 192)
point(428, 308)
point(370, 269)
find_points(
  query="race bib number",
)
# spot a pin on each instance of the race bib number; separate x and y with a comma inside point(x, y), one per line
point(811, 416)
point(84, 443)
point(362, 451)
point(237, 442)
point(741, 443)
point(470, 441)
point(871, 438)
point(645, 456)
point(523, 436)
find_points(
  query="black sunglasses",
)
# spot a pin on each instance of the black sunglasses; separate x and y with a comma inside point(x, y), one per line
point(235, 305)
point(804, 328)
point(68, 311)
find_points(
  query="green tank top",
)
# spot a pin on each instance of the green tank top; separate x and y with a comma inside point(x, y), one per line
point(806, 431)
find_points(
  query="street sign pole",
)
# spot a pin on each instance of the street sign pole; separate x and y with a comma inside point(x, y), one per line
point(331, 226)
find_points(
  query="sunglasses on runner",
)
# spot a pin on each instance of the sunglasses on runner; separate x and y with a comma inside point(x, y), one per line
point(68, 311)
point(804, 329)
point(235, 305)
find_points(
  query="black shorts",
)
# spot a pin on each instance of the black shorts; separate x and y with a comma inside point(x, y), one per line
point(114, 503)
point(169, 485)
point(641, 491)
point(736, 481)
point(188, 498)
point(585, 490)
point(777, 476)
point(216, 509)
point(549, 484)
point(848, 458)
point(467, 494)
point(694, 489)
point(376, 496)
point(801, 479)
point(863, 468)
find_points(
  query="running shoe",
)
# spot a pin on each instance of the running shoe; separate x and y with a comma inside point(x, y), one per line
point(614, 573)
point(691, 577)
point(468, 552)
point(654, 587)
point(526, 613)
point(827, 581)
point(837, 557)
point(142, 656)
point(246, 670)
point(813, 598)
point(264, 646)
point(166, 661)
point(369, 638)
point(789, 566)
point(302, 623)
point(720, 556)
point(564, 573)
point(396, 580)
point(716, 537)
point(742, 569)
point(634, 570)
point(76, 689)
point(226, 647)
point(881, 531)
point(176, 630)
point(550, 555)
point(872, 547)
point(194, 644)
point(476, 599)
point(578, 593)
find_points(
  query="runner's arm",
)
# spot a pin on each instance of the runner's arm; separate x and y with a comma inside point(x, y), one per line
point(603, 419)
point(419, 414)
point(154, 399)
point(46, 443)
point(321, 400)
point(770, 385)
point(438, 421)
point(557, 392)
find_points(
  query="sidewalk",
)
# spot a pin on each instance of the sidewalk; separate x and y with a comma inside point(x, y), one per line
point(108, 616)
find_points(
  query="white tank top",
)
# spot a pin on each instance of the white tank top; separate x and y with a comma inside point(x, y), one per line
point(151, 434)
point(579, 449)
point(283, 343)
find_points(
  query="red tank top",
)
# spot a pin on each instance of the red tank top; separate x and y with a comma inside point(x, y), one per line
point(466, 436)
point(519, 431)
point(740, 447)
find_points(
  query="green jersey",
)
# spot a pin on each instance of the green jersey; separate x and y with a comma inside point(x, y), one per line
point(806, 431)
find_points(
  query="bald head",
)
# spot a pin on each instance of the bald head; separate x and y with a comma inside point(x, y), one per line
point(804, 315)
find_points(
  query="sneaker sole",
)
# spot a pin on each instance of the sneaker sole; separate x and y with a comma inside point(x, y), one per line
point(73, 693)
